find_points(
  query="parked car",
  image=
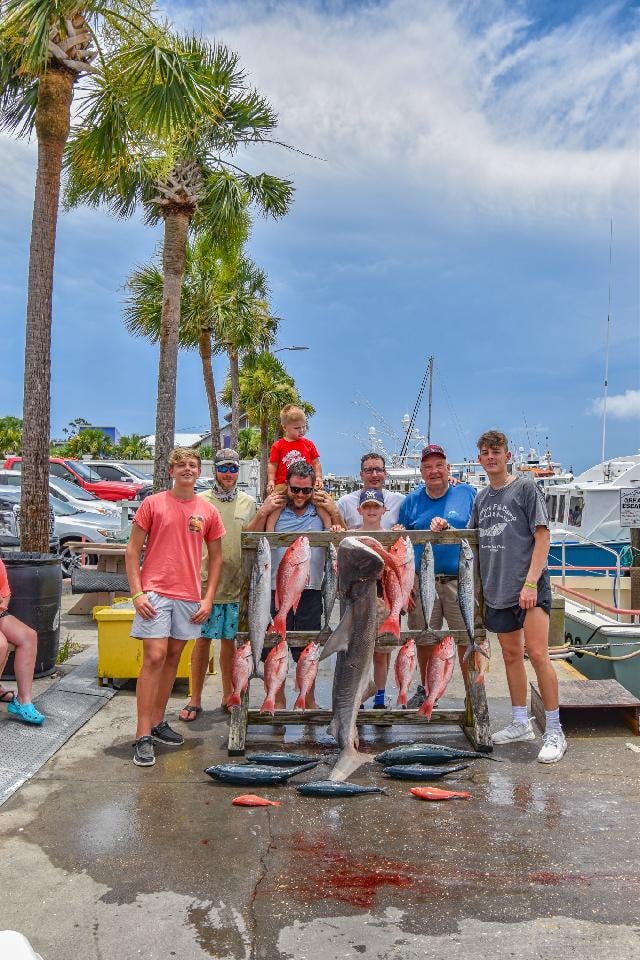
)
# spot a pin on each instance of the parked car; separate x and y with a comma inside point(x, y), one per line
point(74, 526)
point(76, 471)
point(120, 470)
point(10, 521)
point(78, 497)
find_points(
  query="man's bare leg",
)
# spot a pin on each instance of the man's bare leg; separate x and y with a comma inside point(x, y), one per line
point(166, 679)
point(512, 645)
point(536, 641)
point(153, 658)
point(227, 651)
point(199, 662)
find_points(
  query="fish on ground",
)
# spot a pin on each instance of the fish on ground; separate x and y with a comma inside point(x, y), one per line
point(466, 597)
point(329, 584)
point(435, 793)
point(332, 788)
point(405, 666)
point(354, 641)
point(252, 774)
point(418, 771)
point(275, 673)
point(280, 759)
point(427, 582)
point(291, 579)
point(241, 669)
point(259, 604)
point(438, 673)
point(306, 670)
point(252, 800)
point(434, 753)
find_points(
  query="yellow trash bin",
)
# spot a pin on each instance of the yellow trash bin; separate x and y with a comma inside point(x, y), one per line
point(120, 654)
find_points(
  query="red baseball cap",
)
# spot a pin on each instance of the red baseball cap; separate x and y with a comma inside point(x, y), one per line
point(432, 450)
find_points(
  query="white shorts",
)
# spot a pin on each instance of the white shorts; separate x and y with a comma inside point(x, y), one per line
point(172, 619)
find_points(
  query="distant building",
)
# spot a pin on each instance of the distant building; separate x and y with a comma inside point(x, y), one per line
point(111, 432)
point(225, 431)
point(179, 440)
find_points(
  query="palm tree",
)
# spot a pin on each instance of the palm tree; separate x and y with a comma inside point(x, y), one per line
point(133, 447)
point(265, 387)
point(113, 161)
point(92, 441)
point(249, 443)
point(46, 47)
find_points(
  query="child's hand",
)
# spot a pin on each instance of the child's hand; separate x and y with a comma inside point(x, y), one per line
point(319, 485)
point(270, 487)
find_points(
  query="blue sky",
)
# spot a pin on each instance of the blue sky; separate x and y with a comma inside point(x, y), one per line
point(474, 155)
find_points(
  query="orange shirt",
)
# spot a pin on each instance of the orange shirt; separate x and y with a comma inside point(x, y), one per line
point(176, 530)
point(5, 589)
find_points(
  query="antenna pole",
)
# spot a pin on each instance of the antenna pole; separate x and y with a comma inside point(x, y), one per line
point(430, 374)
point(606, 351)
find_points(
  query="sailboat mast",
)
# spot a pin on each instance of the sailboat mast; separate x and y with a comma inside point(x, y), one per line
point(430, 373)
point(606, 352)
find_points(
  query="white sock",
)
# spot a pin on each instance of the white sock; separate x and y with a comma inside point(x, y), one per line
point(552, 721)
point(519, 715)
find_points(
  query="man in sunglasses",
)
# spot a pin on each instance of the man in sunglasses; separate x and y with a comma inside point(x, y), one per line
point(239, 512)
point(373, 473)
point(301, 510)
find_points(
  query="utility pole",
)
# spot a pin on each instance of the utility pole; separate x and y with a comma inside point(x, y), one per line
point(430, 373)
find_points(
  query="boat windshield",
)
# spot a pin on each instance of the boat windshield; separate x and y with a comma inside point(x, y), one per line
point(576, 506)
point(562, 500)
point(552, 503)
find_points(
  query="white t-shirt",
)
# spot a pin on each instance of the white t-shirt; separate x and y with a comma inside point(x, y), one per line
point(349, 503)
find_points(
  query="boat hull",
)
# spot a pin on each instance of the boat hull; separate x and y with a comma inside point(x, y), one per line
point(579, 627)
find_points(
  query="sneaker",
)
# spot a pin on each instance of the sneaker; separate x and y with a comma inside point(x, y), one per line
point(164, 734)
point(554, 747)
point(514, 733)
point(417, 699)
point(143, 755)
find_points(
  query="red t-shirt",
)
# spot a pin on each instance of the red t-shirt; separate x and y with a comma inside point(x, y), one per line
point(175, 532)
point(285, 452)
point(5, 589)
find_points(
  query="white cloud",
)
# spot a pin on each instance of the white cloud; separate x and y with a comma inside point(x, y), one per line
point(497, 116)
point(622, 405)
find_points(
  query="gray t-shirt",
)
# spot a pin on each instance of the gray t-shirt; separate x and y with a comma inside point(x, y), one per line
point(506, 521)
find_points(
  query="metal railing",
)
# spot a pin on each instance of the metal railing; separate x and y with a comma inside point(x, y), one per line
point(587, 600)
point(583, 539)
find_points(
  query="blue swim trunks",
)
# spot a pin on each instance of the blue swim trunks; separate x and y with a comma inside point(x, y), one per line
point(222, 622)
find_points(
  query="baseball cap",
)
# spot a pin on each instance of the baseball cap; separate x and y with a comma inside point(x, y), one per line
point(226, 456)
point(432, 450)
point(372, 496)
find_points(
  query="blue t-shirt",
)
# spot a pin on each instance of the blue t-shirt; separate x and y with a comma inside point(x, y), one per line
point(419, 509)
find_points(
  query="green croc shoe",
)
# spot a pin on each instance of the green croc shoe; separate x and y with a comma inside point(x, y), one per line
point(25, 712)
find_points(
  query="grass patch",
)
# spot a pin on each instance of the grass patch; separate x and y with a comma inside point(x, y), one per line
point(68, 648)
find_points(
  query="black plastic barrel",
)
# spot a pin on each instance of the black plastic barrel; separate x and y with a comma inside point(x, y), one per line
point(36, 592)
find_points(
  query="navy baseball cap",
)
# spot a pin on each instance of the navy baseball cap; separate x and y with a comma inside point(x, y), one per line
point(432, 450)
point(372, 496)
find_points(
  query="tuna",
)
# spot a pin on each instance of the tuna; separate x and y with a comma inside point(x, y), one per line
point(275, 674)
point(434, 793)
point(251, 800)
point(427, 583)
point(259, 606)
point(241, 668)
point(405, 666)
point(251, 774)
point(433, 753)
point(331, 788)
point(438, 674)
point(329, 584)
point(466, 597)
point(418, 771)
point(279, 759)
point(291, 579)
point(306, 670)
point(353, 640)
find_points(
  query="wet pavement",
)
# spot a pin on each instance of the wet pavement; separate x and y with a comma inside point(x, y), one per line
point(105, 860)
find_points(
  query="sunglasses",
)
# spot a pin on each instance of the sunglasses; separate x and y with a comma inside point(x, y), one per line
point(306, 490)
point(227, 468)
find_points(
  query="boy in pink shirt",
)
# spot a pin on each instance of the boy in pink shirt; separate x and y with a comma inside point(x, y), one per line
point(289, 449)
point(166, 592)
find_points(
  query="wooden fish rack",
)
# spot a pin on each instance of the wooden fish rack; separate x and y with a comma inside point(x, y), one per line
point(473, 719)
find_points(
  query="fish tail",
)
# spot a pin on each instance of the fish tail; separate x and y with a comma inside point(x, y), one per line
point(279, 626)
point(300, 702)
point(426, 709)
point(390, 625)
point(234, 700)
point(269, 705)
point(402, 699)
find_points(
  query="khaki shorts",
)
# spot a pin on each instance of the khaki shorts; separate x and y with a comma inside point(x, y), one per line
point(445, 608)
point(172, 619)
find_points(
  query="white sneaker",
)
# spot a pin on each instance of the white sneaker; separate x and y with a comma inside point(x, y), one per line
point(514, 733)
point(554, 747)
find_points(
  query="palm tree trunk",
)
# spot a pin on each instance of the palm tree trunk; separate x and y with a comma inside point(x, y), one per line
point(264, 455)
point(234, 375)
point(204, 348)
point(53, 114)
point(176, 226)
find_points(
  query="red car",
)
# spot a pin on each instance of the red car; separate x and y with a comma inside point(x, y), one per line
point(79, 473)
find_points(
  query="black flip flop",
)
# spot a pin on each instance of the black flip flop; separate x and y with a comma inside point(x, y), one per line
point(192, 711)
point(6, 696)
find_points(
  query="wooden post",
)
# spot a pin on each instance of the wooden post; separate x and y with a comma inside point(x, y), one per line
point(634, 571)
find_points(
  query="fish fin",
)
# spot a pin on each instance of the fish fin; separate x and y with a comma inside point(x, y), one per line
point(348, 761)
point(296, 602)
point(390, 625)
point(339, 639)
point(269, 706)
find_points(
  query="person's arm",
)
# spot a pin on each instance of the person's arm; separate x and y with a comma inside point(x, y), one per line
point(541, 543)
point(322, 501)
point(317, 469)
point(272, 502)
point(132, 565)
point(271, 476)
point(214, 555)
point(327, 521)
point(5, 589)
point(272, 519)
